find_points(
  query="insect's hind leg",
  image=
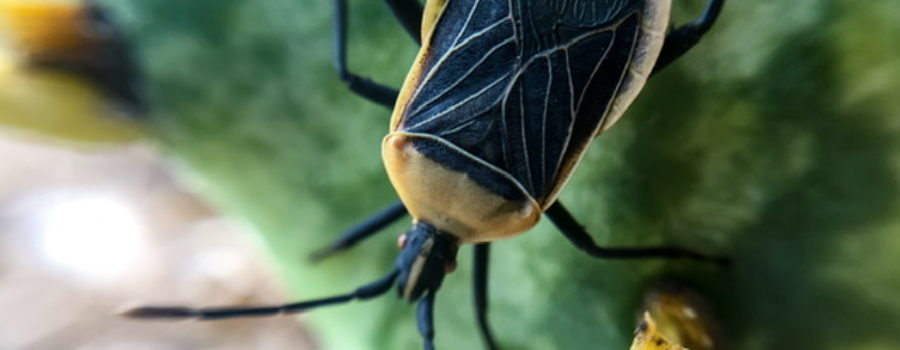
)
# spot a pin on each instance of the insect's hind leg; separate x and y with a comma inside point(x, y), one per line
point(363, 230)
point(480, 285)
point(581, 239)
point(682, 39)
point(409, 13)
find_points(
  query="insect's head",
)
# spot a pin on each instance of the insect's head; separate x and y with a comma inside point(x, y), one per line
point(426, 255)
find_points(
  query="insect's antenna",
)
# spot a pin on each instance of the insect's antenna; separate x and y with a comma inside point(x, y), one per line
point(368, 291)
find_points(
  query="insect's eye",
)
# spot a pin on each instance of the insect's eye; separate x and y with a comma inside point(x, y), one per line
point(401, 241)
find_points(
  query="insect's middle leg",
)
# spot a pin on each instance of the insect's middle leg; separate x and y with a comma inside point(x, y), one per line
point(409, 12)
point(480, 285)
point(683, 38)
point(581, 239)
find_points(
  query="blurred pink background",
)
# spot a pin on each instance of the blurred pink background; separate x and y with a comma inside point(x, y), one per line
point(85, 233)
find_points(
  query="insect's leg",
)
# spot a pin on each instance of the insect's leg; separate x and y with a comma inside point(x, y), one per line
point(425, 320)
point(366, 229)
point(368, 291)
point(581, 239)
point(480, 283)
point(364, 87)
point(409, 13)
point(683, 38)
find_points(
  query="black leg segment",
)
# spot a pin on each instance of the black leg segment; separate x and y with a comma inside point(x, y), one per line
point(683, 38)
point(368, 291)
point(364, 87)
point(480, 284)
point(409, 14)
point(425, 320)
point(366, 229)
point(581, 239)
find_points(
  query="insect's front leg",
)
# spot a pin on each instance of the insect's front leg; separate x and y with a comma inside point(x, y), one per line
point(408, 12)
point(576, 234)
point(682, 39)
point(374, 224)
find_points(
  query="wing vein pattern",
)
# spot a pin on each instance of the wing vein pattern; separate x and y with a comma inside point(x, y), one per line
point(522, 84)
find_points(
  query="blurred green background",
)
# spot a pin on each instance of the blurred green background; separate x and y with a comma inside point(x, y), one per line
point(776, 142)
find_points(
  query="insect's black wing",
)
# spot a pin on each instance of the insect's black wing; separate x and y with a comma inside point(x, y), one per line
point(523, 85)
point(469, 65)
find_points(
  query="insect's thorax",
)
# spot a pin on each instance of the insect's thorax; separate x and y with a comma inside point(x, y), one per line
point(504, 98)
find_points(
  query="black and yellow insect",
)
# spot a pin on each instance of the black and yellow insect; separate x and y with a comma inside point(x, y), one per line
point(499, 107)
